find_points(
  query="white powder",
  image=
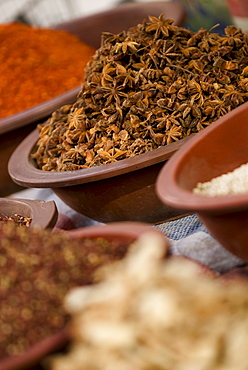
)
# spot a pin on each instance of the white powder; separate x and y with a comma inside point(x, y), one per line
point(235, 182)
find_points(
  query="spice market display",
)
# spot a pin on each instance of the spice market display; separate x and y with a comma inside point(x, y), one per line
point(133, 306)
point(144, 88)
point(37, 64)
point(37, 269)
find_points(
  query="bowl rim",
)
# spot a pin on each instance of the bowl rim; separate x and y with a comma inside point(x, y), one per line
point(166, 6)
point(23, 171)
point(30, 357)
point(37, 112)
point(169, 191)
point(129, 230)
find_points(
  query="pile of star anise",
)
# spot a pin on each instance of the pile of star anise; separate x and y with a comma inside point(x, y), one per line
point(144, 88)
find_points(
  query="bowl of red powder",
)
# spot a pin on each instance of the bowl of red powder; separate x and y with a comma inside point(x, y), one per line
point(209, 175)
point(39, 75)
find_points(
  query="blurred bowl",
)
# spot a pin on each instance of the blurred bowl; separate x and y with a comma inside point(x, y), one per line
point(15, 128)
point(119, 233)
point(42, 214)
point(218, 149)
point(124, 232)
point(31, 360)
point(122, 17)
point(120, 191)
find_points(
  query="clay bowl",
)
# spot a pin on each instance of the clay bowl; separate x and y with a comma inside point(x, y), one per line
point(218, 149)
point(35, 357)
point(121, 18)
point(120, 191)
point(15, 128)
point(43, 214)
point(31, 360)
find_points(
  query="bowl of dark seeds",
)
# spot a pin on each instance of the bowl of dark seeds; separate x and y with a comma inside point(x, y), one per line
point(147, 91)
point(38, 268)
point(209, 176)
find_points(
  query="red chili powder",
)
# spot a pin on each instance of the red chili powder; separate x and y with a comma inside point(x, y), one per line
point(37, 64)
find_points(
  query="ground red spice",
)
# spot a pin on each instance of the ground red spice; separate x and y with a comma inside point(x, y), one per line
point(37, 64)
point(37, 269)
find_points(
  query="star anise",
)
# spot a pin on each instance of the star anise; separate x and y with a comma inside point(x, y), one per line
point(76, 119)
point(126, 46)
point(144, 88)
point(174, 134)
point(113, 94)
point(160, 25)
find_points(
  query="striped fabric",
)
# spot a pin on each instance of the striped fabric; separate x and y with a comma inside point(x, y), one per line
point(46, 13)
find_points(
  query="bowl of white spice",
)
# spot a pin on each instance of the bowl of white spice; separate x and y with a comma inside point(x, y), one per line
point(209, 176)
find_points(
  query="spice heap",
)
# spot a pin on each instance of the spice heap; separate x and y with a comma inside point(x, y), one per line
point(17, 219)
point(37, 268)
point(38, 64)
point(145, 88)
point(165, 315)
point(231, 183)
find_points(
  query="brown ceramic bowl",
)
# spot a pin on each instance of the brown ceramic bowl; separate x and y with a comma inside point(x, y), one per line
point(218, 149)
point(35, 357)
point(15, 128)
point(120, 191)
point(121, 18)
point(43, 214)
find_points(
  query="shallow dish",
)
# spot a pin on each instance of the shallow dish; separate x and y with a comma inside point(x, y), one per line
point(15, 128)
point(42, 214)
point(120, 191)
point(218, 149)
point(123, 233)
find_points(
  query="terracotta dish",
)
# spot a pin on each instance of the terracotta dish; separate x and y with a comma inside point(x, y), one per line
point(218, 149)
point(121, 18)
point(120, 191)
point(15, 128)
point(43, 214)
point(31, 360)
point(35, 357)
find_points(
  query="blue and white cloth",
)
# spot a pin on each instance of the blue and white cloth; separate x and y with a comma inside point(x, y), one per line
point(187, 235)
